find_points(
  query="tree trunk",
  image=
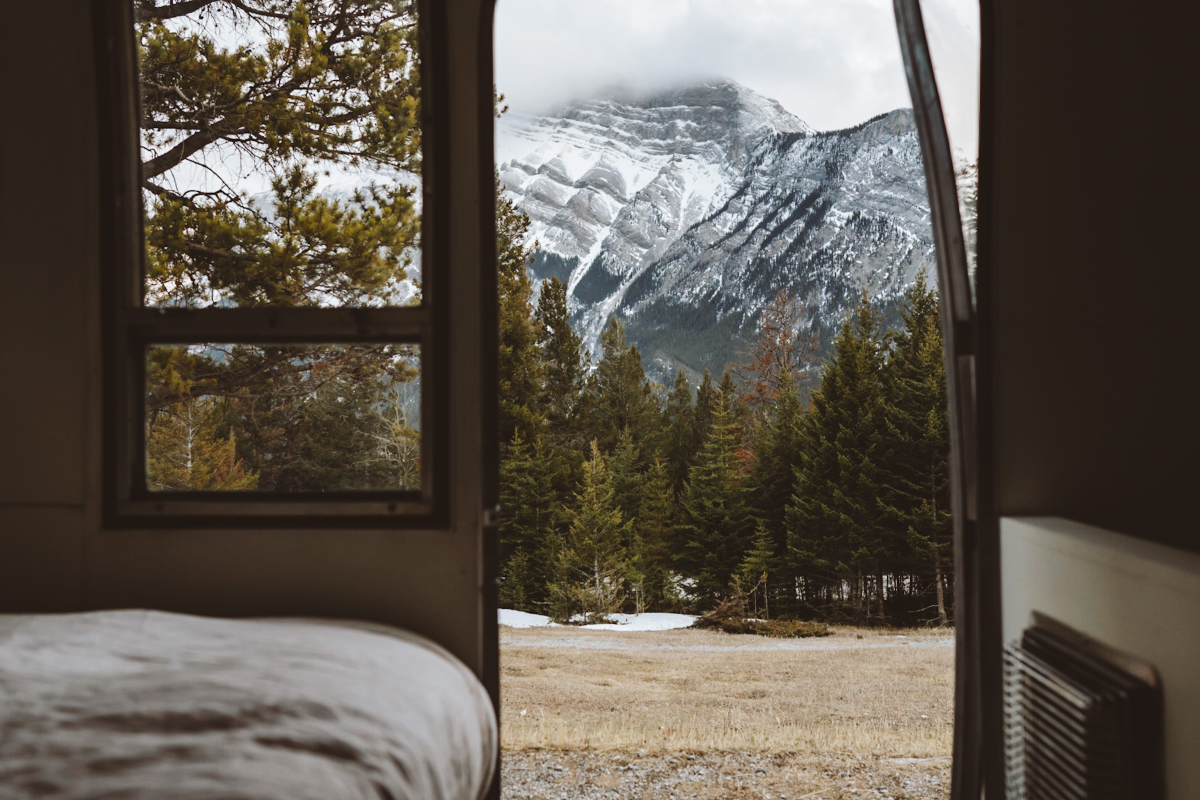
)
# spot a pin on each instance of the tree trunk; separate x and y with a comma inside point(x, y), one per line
point(858, 594)
point(941, 597)
point(766, 598)
point(879, 593)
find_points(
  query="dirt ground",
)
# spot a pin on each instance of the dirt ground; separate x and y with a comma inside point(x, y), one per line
point(698, 714)
point(592, 775)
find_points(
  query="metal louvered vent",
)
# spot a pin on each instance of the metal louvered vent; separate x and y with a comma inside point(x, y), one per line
point(1082, 721)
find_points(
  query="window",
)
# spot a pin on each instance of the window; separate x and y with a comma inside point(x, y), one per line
point(269, 304)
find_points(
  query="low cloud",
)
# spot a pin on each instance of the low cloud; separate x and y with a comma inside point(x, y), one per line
point(833, 63)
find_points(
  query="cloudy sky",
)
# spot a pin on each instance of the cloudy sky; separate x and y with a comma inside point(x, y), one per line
point(833, 63)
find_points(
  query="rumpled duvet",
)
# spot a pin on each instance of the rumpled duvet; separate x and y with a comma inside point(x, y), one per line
point(143, 704)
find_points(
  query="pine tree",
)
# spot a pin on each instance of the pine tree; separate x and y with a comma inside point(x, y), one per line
point(310, 94)
point(835, 520)
point(625, 466)
point(715, 524)
point(705, 410)
point(621, 396)
point(520, 363)
point(729, 400)
point(565, 362)
point(917, 503)
point(529, 517)
point(313, 89)
point(592, 567)
point(679, 432)
point(774, 483)
point(759, 568)
point(655, 538)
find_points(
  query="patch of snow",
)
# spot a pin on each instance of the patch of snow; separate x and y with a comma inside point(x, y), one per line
point(624, 622)
point(645, 622)
point(523, 619)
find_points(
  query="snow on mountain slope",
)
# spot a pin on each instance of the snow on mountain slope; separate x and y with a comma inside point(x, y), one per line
point(684, 212)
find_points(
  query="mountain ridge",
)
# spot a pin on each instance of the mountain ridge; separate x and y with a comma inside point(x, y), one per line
point(684, 211)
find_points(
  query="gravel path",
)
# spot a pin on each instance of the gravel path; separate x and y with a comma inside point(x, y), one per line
point(589, 775)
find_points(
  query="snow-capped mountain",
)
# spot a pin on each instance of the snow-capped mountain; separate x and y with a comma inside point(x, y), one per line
point(684, 212)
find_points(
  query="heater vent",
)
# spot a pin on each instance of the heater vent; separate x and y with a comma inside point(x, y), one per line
point(1082, 721)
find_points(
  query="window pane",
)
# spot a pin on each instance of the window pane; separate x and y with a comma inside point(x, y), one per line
point(280, 153)
point(952, 30)
point(294, 418)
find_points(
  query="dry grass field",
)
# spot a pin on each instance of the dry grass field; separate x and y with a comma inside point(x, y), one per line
point(856, 709)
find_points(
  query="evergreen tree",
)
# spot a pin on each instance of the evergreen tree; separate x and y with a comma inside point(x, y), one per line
point(627, 478)
point(310, 425)
point(520, 364)
point(715, 522)
point(592, 566)
point(917, 503)
point(310, 94)
point(679, 432)
point(621, 397)
point(655, 539)
point(565, 363)
point(705, 410)
point(759, 568)
point(529, 517)
point(835, 521)
point(729, 399)
point(328, 446)
point(774, 483)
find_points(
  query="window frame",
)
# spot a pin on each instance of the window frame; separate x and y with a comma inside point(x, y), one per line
point(129, 326)
point(966, 332)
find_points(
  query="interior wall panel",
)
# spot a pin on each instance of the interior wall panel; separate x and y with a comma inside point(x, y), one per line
point(48, 236)
point(1133, 595)
point(1093, 268)
point(42, 565)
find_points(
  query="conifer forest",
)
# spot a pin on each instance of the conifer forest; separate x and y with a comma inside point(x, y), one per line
point(807, 491)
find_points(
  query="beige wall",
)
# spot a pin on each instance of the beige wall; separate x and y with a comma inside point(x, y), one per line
point(53, 554)
point(1133, 595)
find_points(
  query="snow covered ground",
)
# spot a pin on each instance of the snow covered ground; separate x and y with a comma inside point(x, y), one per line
point(624, 622)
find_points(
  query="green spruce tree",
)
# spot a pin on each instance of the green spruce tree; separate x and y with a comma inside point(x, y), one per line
point(715, 521)
point(655, 543)
point(565, 363)
point(593, 565)
point(835, 520)
point(520, 363)
point(530, 515)
point(917, 501)
point(705, 410)
point(774, 483)
point(620, 395)
point(759, 568)
point(679, 432)
point(625, 464)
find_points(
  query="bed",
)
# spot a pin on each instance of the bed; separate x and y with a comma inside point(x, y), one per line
point(142, 704)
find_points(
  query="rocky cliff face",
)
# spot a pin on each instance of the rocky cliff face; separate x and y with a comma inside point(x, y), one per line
point(686, 211)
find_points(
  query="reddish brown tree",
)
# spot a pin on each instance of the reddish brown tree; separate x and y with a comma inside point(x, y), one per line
point(782, 348)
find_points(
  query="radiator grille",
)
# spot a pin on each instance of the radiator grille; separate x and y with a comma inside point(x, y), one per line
point(1077, 725)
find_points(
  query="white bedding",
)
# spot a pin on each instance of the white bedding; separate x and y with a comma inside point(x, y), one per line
point(142, 704)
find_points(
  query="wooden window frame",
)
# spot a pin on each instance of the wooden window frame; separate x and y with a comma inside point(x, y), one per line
point(129, 327)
